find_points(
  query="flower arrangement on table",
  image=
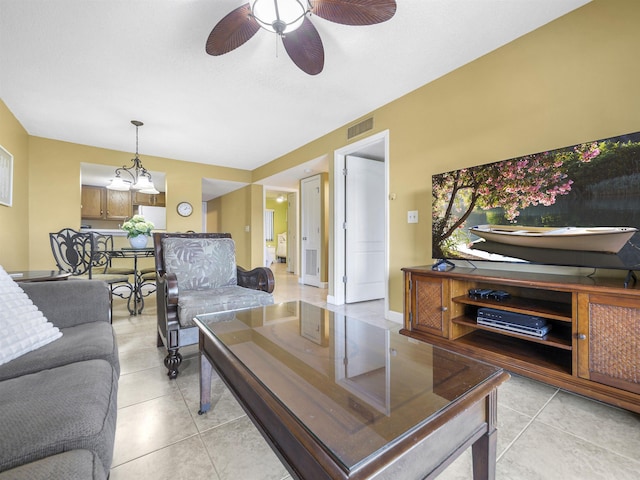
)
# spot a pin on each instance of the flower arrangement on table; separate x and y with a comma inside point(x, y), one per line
point(137, 225)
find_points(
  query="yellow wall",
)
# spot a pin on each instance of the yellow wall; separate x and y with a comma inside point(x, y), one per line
point(54, 189)
point(235, 215)
point(241, 213)
point(570, 81)
point(213, 215)
point(257, 226)
point(14, 220)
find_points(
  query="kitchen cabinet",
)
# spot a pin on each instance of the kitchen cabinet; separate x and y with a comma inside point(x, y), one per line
point(99, 203)
point(92, 206)
point(118, 205)
point(150, 200)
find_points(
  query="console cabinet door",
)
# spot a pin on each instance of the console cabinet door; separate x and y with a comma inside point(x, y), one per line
point(428, 310)
point(608, 340)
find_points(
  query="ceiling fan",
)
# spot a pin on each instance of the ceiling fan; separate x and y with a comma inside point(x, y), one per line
point(289, 19)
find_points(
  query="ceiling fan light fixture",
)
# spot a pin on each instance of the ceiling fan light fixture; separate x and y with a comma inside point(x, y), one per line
point(280, 16)
point(283, 17)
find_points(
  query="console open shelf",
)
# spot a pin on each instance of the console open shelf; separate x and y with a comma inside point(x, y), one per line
point(558, 337)
point(510, 348)
point(552, 310)
point(590, 349)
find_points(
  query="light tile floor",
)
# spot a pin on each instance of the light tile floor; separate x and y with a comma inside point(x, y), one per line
point(544, 433)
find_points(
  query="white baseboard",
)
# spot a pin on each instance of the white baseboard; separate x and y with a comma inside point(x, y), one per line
point(395, 317)
point(332, 300)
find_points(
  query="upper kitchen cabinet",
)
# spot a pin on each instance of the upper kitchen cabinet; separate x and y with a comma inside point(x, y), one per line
point(92, 202)
point(157, 200)
point(118, 205)
point(98, 203)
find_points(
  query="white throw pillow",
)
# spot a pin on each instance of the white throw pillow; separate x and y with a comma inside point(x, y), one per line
point(23, 328)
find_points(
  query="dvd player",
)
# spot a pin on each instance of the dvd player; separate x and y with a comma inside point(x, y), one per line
point(511, 317)
point(512, 327)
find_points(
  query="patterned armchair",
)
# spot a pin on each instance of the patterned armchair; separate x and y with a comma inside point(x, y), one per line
point(197, 273)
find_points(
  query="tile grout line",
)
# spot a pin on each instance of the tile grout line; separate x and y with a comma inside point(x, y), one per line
point(526, 427)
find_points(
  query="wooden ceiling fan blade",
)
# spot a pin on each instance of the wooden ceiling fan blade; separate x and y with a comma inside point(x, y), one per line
point(232, 31)
point(354, 12)
point(304, 46)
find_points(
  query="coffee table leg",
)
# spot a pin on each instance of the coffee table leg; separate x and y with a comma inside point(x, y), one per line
point(205, 384)
point(485, 449)
point(484, 457)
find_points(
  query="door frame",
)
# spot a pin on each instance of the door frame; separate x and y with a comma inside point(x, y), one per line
point(339, 194)
point(293, 250)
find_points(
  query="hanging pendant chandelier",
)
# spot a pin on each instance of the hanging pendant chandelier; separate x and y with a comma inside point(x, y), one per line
point(137, 177)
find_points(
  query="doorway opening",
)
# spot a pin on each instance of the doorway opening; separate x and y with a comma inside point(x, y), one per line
point(376, 149)
point(281, 241)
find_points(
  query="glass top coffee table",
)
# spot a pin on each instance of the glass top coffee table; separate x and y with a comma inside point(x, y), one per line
point(340, 398)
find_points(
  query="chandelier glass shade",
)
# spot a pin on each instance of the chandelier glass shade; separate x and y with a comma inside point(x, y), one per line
point(280, 16)
point(136, 176)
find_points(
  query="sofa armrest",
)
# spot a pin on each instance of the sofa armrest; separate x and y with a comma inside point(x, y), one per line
point(260, 278)
point(67, 303)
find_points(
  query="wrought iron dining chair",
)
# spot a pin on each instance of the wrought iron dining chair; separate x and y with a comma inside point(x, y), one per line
point(75, 252)
point(102, 260)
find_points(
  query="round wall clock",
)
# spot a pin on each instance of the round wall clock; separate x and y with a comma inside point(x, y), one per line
point(185, 209)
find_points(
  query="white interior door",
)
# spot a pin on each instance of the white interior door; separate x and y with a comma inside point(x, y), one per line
point(310, 230)
point(292, 233)
point(365, 229)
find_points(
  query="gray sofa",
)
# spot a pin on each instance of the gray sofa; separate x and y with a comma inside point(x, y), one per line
point(59, 402)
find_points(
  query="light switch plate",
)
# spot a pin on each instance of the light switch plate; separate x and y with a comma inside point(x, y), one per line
point(412, 216)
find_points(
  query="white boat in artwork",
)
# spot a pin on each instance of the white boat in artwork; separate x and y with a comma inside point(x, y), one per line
point(593, 239)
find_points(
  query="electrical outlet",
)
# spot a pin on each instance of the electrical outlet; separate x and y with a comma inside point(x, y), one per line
point(412, 216)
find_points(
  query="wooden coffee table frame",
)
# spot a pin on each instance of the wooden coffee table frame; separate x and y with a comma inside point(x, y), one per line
point(423, 453)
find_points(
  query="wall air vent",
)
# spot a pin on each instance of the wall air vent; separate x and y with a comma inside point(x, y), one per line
point(360, 128)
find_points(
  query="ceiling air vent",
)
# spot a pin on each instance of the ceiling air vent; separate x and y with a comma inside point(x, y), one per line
point(360, 128)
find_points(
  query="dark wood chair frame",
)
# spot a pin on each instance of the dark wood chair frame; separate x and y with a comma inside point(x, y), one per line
point(167, 295)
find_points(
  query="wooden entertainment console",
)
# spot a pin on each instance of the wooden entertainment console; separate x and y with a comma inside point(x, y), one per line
point(593, 347)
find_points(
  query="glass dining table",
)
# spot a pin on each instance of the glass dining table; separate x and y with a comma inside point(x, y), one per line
point(142, 286)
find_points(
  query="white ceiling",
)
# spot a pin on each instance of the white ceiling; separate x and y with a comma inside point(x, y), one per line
point(80, 70)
